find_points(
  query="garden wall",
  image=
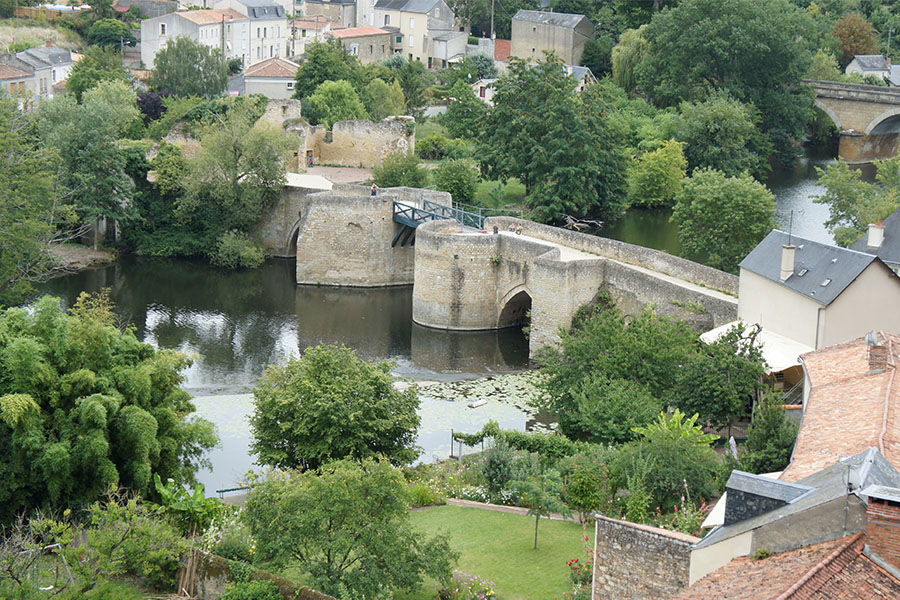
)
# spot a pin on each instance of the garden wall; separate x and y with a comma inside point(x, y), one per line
point(639, 561)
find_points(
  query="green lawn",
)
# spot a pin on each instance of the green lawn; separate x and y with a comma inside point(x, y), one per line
point(423, 130)
point(500, 547)
point(515, 191)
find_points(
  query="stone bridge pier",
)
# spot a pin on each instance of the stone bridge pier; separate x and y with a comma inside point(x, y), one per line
point(465, 280)
point(868, 118)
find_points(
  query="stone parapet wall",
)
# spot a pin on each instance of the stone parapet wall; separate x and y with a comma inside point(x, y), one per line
point(639, 561)
point(355, 143)
point(647, 258)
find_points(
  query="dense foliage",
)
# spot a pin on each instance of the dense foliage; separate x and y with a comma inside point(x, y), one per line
point(328, 405)
point(185, 67)
point(347, 525)
point(85, 406)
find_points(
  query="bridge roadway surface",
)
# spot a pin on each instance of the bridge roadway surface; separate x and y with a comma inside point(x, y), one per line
point(568, 254)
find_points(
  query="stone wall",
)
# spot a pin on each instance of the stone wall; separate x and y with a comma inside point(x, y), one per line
point(342, 237)
point(463, 280)
point(355, 143)
point(639, 561)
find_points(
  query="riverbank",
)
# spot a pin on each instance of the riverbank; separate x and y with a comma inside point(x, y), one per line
point(73, 258)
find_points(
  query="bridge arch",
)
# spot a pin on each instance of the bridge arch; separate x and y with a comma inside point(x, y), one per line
point(887, 122)
point(515, 308)
point(828, 111)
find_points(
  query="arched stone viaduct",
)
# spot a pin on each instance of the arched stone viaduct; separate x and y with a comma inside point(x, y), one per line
point(466, 280)
point(867, 116)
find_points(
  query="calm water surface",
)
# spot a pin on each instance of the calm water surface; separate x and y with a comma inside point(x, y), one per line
point(235, 324)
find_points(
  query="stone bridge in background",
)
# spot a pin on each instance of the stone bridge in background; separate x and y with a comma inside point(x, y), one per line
point(465, 278)
point(867, 116)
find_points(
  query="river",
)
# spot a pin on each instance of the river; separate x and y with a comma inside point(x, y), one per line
point(235, 324)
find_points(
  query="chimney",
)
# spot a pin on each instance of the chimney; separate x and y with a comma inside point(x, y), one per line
point(888, 62)
point(876, 236)
point(882, 523)
point(787, 260)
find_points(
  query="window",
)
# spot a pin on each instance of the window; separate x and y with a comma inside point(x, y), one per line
point(387, 21)
point(303, 32)
point(271, 51)
point(265, 32)
point(437, 12)
point(258, 33)
point(354, 49)
point(54, 76)
point(412, 23)
point(481, 91)
point(399, 39)
point(382, 48)
point(410, 41)
point(290, 85)
point(371, 49)
point(162, 29)
point(825, 283)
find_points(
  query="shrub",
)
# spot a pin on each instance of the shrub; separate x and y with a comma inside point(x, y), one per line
point(234, 250)
point(497, 467)
point(234, 549)
point(400, 169)
point(252, 590)
point(459, 177)
point(433, 147)
point(423, 494)
point(463, 586)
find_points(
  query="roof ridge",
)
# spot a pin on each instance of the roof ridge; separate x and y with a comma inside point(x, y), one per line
point(807, 240)
point(819, 567)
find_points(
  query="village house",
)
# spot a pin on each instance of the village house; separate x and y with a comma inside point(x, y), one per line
point(45, 66)
point(268, 30)
point(273, 78)
point(340, 12)
point(883, 240)
point(869, 64)
point(424, 26)
point(369, 44)
point(535, 32)
point(224, 29)
point(306, 30)
point(816, 294)
point(18, 83)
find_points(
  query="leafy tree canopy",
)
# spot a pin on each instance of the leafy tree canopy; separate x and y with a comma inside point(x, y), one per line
point(561, 145)
point(400, 169)
point(328, 405)
point(856, 36)
point(459, 176)
point(335, 101)
point(854, 203)
point(325, 61)
point(770, 437)
point(84, 406)
point(347, 524)
point(755, 50)
point(111, 33)
point(654, 178)
point(185, 67)
point(97, 64)
point(721, 219)
point(382, 100)
point(466, 113)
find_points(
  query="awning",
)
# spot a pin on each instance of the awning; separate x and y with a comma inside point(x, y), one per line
point(779, 351)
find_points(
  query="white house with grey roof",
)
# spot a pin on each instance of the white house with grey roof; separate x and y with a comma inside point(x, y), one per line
point(535, 31)
point(225, 30)
point(816, 294)
point(426, 27)
point(870, 64)
point(47, 65)
point(269, 32)
point(883, 240)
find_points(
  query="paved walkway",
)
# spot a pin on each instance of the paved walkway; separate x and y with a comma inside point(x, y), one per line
point(342, 174)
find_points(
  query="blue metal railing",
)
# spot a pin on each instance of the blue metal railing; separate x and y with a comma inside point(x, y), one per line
point(413, 216)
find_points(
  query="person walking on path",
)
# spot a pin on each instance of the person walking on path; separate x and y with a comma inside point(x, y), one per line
point(374, 189)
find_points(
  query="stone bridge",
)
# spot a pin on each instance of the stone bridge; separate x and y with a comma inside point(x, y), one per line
point(466, 279)
point(867, 116)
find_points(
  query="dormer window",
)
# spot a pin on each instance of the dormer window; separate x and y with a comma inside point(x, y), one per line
point(802, 272)
point(825, 283)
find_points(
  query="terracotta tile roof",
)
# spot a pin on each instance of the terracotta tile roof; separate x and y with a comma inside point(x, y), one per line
point(502, 48)
point(352, 32)
point(208, 17)
point(316, 22)
point(8, 72)
point(273, 67)
point(828, 571)
point(850, 407)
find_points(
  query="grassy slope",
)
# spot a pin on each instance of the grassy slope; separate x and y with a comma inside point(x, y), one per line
point(34, 34)
point(500, 547)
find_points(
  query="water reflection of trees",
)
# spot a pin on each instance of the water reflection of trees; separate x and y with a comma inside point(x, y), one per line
point(240, 322)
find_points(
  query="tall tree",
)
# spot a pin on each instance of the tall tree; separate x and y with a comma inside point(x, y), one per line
point(328, 405)
point(335, 101)
point(84, 406)
point(627, 55)
point(755, 50)
point(466, 113)
point(562, 146)
point(185, 67)
point(29, 209)
point(347, 526)
point(97, 64)
point(325, 61)
point(111, 33)
point(856, 36)
point(87, 138)
point(720, 218)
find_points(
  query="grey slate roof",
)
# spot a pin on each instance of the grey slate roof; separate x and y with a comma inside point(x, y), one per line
point(263, 9)
point(549, 18)
point(51, 55)
point(814, 265)
point(418, 6)
point(785, 491)
point(871, 62)
point(889, 251)
point(865, 469)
